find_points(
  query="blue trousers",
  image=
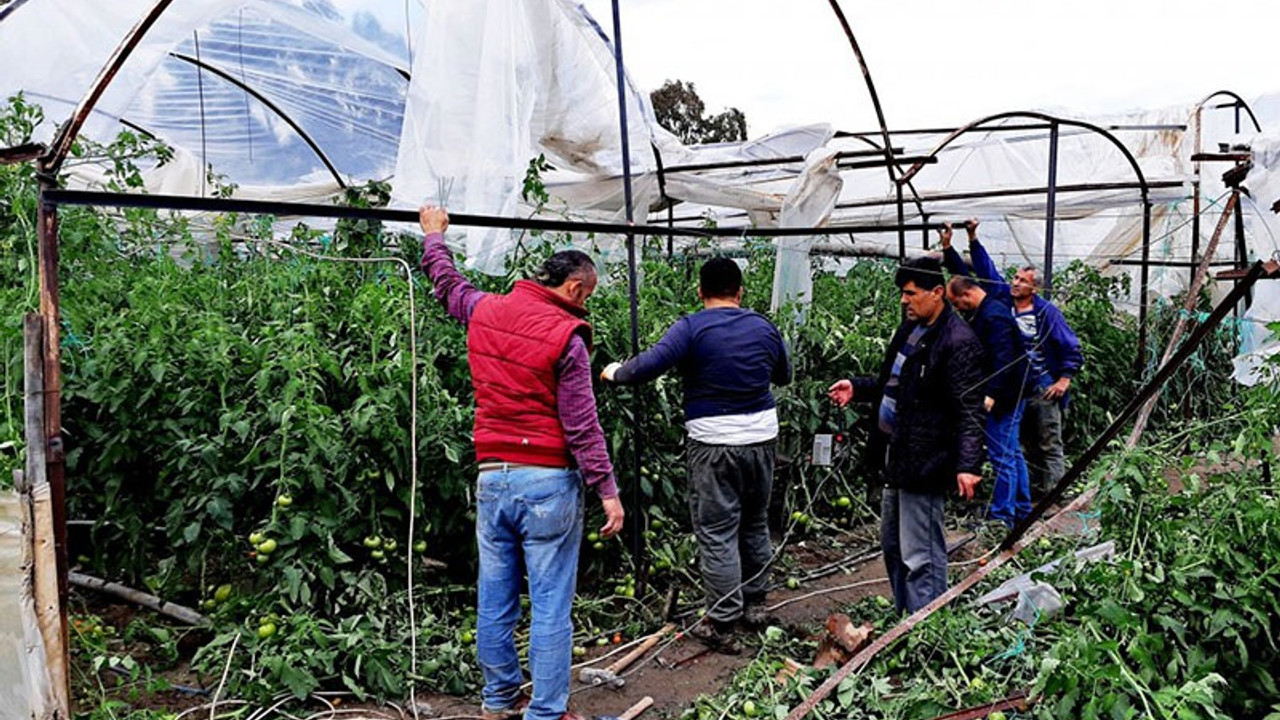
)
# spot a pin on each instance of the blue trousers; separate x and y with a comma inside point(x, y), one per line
point(528, 520)
point(1011, 497)
point(915, 548)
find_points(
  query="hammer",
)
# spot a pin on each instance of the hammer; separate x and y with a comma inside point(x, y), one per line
point(609, 676)
point(630, 713)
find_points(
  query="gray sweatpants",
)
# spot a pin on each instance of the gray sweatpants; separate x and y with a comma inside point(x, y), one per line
point(729, 490)
point(1042, 444)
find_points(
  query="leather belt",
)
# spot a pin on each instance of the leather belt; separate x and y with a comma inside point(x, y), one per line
point(492, 465)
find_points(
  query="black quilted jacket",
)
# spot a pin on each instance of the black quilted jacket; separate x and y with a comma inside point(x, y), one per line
point(940, 426)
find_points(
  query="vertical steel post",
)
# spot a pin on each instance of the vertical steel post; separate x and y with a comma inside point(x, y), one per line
point(1195, 190)
point(1242, 250)
point(1051, 209)
point(636, 537)
point(1144, 284)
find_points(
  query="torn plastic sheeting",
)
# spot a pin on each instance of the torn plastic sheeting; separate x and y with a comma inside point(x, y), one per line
point(25, 690)
point(809, 204)
point(539, 79)
point(1040, 600)
point(1022, 583)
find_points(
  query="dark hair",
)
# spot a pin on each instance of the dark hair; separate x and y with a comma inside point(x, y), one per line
point(962, 283)
point(720, 277)
point(925, 272)
point(563, 265)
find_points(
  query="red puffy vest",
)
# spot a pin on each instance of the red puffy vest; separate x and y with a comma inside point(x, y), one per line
point(513, 344)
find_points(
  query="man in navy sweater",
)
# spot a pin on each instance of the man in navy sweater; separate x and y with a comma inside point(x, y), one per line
point(727, 357)
point(1053, 356)
point(1005, 374)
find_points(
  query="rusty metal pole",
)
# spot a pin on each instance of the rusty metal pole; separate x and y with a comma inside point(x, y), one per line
point(55, 462)
point(884, 127)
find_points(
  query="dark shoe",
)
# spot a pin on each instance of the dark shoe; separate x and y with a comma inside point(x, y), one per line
point(515, 711)
point(755, 616)
point(716, 636)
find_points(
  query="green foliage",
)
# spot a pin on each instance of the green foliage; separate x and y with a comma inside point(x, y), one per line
point(678, 108)
point(218, 386)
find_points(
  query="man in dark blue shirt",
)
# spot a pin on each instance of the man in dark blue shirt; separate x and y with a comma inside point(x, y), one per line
point(1005, 374)
point(727, 357)
point(1053, 357)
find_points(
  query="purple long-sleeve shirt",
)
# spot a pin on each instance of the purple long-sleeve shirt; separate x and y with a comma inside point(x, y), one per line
point(575, 399)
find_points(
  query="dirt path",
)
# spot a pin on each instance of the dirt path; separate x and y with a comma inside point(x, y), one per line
point(678, 671)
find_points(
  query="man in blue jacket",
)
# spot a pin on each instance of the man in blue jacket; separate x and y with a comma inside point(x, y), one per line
point(1052, 351)
point(727, 357)
point(928, 400)
point(1005, 372)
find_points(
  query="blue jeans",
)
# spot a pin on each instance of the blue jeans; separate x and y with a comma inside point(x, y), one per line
point(527, 520)
point(915, 549)
point(1011, 498)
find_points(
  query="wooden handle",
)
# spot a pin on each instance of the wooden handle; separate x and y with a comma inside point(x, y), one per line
point(635, 710)
point(640, 649)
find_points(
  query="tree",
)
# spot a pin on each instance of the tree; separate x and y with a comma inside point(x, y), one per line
point(680, 110)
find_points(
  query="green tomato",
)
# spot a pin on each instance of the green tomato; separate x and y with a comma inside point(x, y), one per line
point(389, 545)
point(256, 538)
point(266, 630)
point(263, 559)
point(630, 591)
point(593, 537)
point(373, 542)
point(377, 554)
point(266, 547)
point(285, 500)
point(597, 546)
point(420, 546)
point(844, 502)
point(602, 641)
point(222, 594)
point(209, 604)
point(467, 636)
point(793, 583)
point(749, 709)
point(655, 524)
point(883, 601)
point(997, 715)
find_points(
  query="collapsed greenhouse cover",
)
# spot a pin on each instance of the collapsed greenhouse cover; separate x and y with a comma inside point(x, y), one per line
point(448, 101)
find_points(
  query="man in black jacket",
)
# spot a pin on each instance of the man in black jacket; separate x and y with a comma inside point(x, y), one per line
point(1006, 375)
point(928, 399)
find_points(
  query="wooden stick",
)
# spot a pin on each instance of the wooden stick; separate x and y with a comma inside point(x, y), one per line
point(644, 647)
point(35, 486)
point(181, 613)
point(634, 711)
point(1189, 305)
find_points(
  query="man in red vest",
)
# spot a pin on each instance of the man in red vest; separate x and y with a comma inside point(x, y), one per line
point(538, 441)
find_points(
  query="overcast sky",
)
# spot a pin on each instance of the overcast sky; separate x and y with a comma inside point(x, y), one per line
point(787, 62)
